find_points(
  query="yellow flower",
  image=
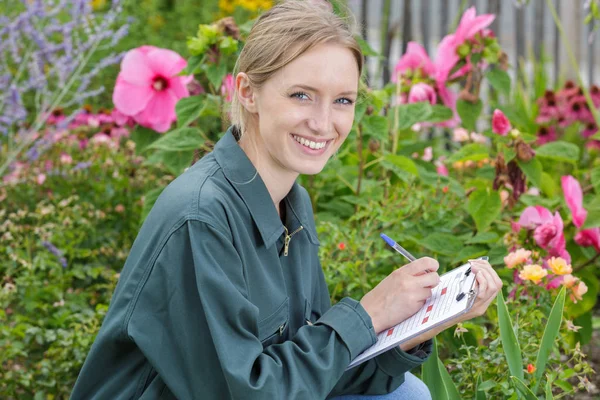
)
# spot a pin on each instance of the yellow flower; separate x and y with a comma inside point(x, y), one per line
point(579, 291)
point(533, 273)
point(559, 266)
point(98, 4)
point(517, 257)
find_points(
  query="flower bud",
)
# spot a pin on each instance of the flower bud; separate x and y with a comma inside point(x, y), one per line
point(524, 151)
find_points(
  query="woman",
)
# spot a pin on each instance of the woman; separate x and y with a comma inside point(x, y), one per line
point(222, 295)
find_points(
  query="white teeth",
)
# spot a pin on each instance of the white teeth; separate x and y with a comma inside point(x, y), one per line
point(309, 143)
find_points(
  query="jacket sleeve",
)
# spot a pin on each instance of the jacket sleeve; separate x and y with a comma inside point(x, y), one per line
point(193, 321)
point(381, 374)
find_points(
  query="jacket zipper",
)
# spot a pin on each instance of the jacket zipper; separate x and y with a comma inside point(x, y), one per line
point(281, 328)
point(288, 238)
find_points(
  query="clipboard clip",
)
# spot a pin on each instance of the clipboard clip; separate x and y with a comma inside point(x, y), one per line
point(471, 292)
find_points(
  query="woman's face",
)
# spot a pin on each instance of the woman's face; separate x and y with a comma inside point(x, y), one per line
point(304, 112)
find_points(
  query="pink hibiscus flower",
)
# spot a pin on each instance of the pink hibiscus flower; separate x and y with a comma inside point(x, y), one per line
point(574, 199)
point(468, 27)
point(500, 124)
point(148, 87)
point(415, 58)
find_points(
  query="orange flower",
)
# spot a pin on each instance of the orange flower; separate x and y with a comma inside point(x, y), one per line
point(341, 246)
point(445, 189)
point(533, 273)
point(530, 368)
point(559, 266)
point(516, 257)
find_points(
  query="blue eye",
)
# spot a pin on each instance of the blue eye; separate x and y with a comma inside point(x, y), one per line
point(300, 96)
point(346, 101)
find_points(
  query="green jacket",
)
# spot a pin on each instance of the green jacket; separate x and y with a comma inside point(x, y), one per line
point(218, 299)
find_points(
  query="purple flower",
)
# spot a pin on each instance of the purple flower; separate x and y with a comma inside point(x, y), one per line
point(54, 250)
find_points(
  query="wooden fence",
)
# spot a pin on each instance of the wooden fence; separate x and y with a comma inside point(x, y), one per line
point(525, 29)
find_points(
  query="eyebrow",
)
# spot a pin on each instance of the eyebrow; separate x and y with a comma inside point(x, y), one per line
point(306, 87)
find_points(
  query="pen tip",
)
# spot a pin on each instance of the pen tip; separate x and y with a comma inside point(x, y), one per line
point(387, 239)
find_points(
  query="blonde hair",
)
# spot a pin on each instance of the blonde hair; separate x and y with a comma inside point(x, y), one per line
point(281, 35)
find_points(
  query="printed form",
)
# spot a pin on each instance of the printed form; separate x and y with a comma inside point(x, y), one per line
point(440, 307)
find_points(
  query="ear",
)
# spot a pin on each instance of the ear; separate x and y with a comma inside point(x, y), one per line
point(245, 92)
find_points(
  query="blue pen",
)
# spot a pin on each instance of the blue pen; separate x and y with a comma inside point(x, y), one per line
point(398, 248)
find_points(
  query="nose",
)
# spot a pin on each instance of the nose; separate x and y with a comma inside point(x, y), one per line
point(321, 120)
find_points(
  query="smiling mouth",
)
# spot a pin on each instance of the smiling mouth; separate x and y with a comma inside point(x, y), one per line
point(317, 145)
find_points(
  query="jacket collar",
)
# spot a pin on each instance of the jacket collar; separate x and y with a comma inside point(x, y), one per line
point(243, 176)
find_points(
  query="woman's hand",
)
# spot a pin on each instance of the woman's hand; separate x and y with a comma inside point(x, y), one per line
point(401, 294)
point(488, 284)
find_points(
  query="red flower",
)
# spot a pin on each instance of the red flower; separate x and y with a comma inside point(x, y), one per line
point(530, 368)
point(341, 246)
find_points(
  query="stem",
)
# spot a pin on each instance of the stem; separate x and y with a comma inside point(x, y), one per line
point(585, 264)
point(574, 64)
point(395, 133)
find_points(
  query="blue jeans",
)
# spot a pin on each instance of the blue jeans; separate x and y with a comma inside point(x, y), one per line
point(412, 389)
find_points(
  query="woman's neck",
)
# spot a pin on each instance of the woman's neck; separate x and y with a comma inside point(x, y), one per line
point(278, 180)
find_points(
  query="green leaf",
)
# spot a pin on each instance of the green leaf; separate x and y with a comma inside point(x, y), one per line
point(179, 140)
point(532, 170)
point(548, 186)
point(549, 395)
point(439, 113)
point(215, 74)
point(595, 174)
point(143, 137)
point(593, 218)
point(410, 114)
point(175, 161)
point(550, 334)
point(366, 49)
point(188, 109)
point(431, 375)
point(472, 152)
point(470, 252)
point(521, 387)
point(450, 387)
point(499, 80)
point(375, 126)
point(469, 112)
point(402, 166)
point(479, 390)
point(559, 151)
point(484, 206)
point(193, 65)
point(442, 243)
point(511, 347)
point(483, 237)
point(437, 379)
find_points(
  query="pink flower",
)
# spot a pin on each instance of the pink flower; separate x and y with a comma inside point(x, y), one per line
point(40, 179)
point(589, 237)
point(546, 135)
point(460, 135)
point(66, 159)
point(422, 92)
point(517, 257)
point(228, 88)
point(468, 27)
point(579, 291)
point(414, 59)
point(547, 229)
point(148, 87)
point(574, 199)
point(441, 168)
point(427, 154)
point(500, 124)
point(478, 138)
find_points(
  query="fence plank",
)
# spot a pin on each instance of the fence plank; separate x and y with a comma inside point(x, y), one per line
point(444, 18)
point(556, 49)
point(538, 29)
point(519, 12)
point(494, 8)
point(425, 23)
point(406, 26)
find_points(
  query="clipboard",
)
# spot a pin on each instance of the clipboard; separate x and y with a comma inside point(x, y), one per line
point(453, 296)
